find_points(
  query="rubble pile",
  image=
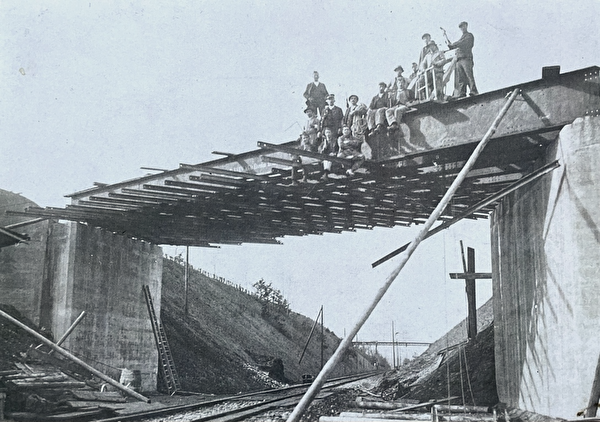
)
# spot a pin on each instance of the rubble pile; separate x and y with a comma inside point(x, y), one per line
point(41, 386)
point(426, 377)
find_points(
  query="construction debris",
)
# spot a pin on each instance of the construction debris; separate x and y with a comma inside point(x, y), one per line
point(38, 386)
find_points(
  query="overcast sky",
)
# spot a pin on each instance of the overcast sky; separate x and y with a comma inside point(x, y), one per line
point(90, 91)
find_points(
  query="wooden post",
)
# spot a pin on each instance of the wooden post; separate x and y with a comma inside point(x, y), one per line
point(187, 278)
point(75, 359)
point(471, 303)
point(322, 339)
point(590, 411)
point(393, 347)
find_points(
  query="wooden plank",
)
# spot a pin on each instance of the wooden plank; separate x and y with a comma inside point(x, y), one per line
point(49, 384)
point(470, 276)
point(461, 409)
point(104, 396)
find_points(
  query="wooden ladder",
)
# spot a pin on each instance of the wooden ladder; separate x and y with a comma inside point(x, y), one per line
point(166, 363)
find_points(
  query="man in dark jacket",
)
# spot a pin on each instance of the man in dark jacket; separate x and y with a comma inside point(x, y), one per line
point(332, 117)
point(376, 112)
point(315, 94)
point(463, 76)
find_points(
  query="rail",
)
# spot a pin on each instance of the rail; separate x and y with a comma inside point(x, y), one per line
point(294, 393)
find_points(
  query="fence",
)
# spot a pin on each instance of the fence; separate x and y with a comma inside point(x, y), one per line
point(180, 261)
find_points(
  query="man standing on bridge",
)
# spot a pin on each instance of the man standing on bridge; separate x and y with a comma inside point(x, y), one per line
point(315, 94)
point(464, 62)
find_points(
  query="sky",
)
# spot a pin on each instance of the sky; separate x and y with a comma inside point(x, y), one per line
point(91, 91)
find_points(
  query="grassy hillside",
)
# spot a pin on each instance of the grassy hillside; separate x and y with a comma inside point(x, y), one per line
point(228, 334)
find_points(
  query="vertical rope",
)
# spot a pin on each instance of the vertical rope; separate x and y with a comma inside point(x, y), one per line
point(462, 387)
point(469, 378)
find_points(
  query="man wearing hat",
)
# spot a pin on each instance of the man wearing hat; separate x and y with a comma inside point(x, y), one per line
point(463, 76)
point(433, 70)
point(426, 37)
point(311, 129)
point(355, 118)
point(315, 94)
point(377, 108)
point(398, 90)
point(332, 117)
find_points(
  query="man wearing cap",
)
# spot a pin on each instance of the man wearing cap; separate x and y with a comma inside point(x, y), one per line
point(311, 128)
point(433, 70)
point(463, 77)
point(353, 108)
point(377, 108)
point(315, 94)
point(354, 117)
point(398, 98)
point(426, 37)
point(332, 117)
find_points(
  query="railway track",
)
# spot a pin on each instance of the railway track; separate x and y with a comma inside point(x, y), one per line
point(247, 405)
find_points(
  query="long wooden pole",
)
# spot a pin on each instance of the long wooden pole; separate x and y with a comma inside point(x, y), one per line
point(347, 341)
point(312, 330)
point(75, 359)
point(592, 408)
point(186, 279)
point(471, 298)
point(322, 340)
point(70, 329)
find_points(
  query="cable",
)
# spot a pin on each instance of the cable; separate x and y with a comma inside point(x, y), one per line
point(469, 378)
point(462, 387)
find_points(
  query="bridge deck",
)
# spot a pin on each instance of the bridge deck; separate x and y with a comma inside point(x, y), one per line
point(250, 197)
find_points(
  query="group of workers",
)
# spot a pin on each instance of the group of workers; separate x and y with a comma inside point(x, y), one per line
point(331, 131)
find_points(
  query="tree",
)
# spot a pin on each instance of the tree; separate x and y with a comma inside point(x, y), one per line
point(270, 297)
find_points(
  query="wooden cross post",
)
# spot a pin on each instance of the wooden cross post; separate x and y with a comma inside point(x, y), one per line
point(470, 276)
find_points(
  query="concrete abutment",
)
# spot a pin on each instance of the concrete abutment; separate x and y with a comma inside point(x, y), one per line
point(546, 266)
point(70, 268)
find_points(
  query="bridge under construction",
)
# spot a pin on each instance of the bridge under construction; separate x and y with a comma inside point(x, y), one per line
point(544, 229)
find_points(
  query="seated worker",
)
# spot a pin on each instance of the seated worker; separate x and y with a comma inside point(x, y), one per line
point(399, 98)
point(377, 108)
point(350, 147)
point(354, 117)
point(312, 127)
point(329, 146)
point(332, 116)
point(306, 144)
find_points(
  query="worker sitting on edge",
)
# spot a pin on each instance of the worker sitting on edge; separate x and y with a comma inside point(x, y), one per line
point(350, 147)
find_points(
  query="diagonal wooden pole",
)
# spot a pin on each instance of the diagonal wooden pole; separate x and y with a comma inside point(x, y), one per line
point(347, 341)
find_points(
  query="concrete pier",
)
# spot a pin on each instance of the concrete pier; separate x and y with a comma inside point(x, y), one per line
point(69, 268)
point(546, 261)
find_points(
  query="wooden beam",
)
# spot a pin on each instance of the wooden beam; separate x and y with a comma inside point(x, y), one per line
point(310, 154)
point(470, 276)
point(471, 298)
point(478, 206)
